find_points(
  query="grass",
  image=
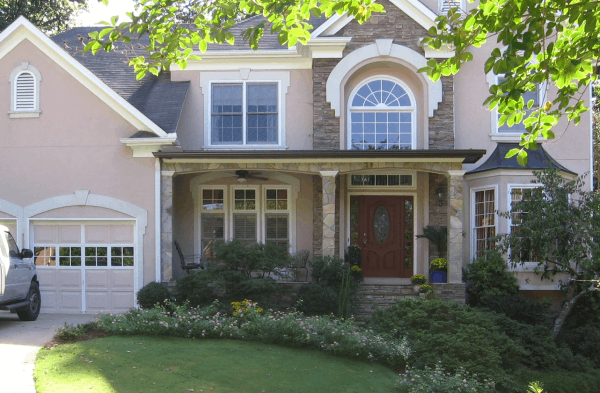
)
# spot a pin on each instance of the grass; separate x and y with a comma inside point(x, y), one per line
point(153, 364)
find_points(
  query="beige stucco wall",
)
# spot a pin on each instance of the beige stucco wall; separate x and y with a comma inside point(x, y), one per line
point(73, 145)
point(184, 215)
point(571, 147)
point(298, 101)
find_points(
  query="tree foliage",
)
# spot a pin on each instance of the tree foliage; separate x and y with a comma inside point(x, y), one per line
point(557, 226)
point(50, 16)
point(552, 44)
point(178, 27)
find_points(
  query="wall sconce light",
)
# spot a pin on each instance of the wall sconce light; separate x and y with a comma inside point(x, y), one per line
point(439, 195)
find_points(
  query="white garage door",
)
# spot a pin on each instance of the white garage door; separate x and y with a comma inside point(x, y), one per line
point(85, 267)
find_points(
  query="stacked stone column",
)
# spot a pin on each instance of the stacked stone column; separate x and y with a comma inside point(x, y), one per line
point(166, 231)
point(455, 225)
point(328, 212)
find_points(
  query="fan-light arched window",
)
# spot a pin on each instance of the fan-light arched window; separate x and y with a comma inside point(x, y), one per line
point(382, 116)
point(25, 91)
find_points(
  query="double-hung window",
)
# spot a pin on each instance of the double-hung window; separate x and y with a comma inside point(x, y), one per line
point(484, 214)
point(516, 195)
point(527, 96)
point(245, 113)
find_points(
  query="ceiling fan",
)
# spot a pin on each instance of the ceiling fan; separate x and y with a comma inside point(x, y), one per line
point(243, 176)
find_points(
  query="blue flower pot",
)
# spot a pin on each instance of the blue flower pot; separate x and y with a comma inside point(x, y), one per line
point(438, 277)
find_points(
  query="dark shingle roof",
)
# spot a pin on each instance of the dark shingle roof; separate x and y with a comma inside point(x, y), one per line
point(268, 41)
point(537, 160)
point(160, 99)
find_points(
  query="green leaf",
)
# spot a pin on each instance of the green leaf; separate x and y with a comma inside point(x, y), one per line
point(522, 158)
point(512, 152)
point(202, 45)
point(140, 74)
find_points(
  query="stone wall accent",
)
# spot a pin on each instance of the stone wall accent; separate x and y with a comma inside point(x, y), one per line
point(404, 31)
point(329, 212)
point(455, 225)
point(317, 216)
point(374, 296)
point(438, 215)
point(166, 231)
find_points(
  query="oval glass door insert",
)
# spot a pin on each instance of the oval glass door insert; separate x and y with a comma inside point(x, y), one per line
point(381, 224)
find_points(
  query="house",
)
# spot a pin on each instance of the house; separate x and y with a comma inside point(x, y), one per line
point(334, 143)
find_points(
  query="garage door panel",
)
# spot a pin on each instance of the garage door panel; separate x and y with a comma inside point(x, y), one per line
point(122, 301)
point(121, 234)
point(70, 302)
point(96, 279)
point(121, 279)
point(97, 301)
point(67, 278)
point(49, 304)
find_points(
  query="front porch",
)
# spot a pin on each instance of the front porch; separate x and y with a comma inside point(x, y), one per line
point(304, 199)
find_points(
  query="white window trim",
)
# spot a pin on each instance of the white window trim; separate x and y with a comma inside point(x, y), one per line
point(282, 78)
point(389, 188)
point(525, 266)
point(472, 229)
point(25, 67)
point(412, 109)
point(495, 135)
point(461, 4)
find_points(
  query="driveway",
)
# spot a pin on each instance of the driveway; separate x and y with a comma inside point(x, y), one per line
point(20, 342)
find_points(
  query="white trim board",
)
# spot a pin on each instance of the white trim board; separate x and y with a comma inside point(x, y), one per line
point(22, 29)
point(383, 48)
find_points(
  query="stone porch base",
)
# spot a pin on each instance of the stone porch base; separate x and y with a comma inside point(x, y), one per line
point(372, 296)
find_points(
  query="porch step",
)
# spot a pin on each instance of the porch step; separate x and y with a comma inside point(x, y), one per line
point(373, 296)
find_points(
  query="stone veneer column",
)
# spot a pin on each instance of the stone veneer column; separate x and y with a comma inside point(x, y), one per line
point(328, 212)
point(455, 225)
point(166, 225)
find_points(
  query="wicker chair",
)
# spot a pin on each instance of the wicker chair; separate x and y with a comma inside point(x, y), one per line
point(188, 262)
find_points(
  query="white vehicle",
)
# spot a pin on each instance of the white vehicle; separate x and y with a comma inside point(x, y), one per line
point(19, 287)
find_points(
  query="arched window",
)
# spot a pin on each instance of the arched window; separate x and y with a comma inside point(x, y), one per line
point(382, 116)
point(25, 91)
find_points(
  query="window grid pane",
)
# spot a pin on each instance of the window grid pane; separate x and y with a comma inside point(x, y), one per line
point(276, 199)
point(212, 199)
point(277, 229)
point(528, 253)
point(244, 200)
point(227, 113)
point(244, 228)
point(485, 221)
point(213, 231)
point(381, 180)
point(381, 131)
point(262, 113)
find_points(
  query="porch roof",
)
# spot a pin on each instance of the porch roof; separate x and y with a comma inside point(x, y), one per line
point(465, 156)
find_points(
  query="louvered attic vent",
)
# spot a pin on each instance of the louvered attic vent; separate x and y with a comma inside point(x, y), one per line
point(445, 5)
point(25, 92)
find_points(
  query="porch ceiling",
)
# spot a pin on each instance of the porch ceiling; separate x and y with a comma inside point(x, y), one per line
point(318, 156)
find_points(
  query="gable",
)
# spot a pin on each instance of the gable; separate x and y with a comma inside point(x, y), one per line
point(22, 30)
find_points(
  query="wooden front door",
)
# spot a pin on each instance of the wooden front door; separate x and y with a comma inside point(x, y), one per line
point(382, 226)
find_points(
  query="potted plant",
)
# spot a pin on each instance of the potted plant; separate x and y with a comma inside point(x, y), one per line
point(425, 290)
point(418, 280)
point(438, 270)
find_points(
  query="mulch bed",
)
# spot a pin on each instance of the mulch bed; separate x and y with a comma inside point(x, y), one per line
point(90, 335)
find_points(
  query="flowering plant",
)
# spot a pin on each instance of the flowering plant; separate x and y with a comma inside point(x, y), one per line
point(439, 265)
point(245, 306)
point(418, 279)
point(356, 268)
point(437, 380)
point(426, 288)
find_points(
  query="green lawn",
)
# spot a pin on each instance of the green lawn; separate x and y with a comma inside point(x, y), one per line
point(152, 364)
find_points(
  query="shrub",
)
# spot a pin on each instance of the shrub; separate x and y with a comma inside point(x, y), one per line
point(566, 360)
point(73, 332)
point(151, 294)
point(333, 289)
point(437, 380)
point(488, 275)
point(586, 311)
point(583, 340)
point(453, 333)
point(518, 307)
point(418, 279)
point(288, 329)
point(195, 288)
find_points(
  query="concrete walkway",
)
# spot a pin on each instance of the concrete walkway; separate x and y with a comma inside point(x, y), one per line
point(20, 342)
